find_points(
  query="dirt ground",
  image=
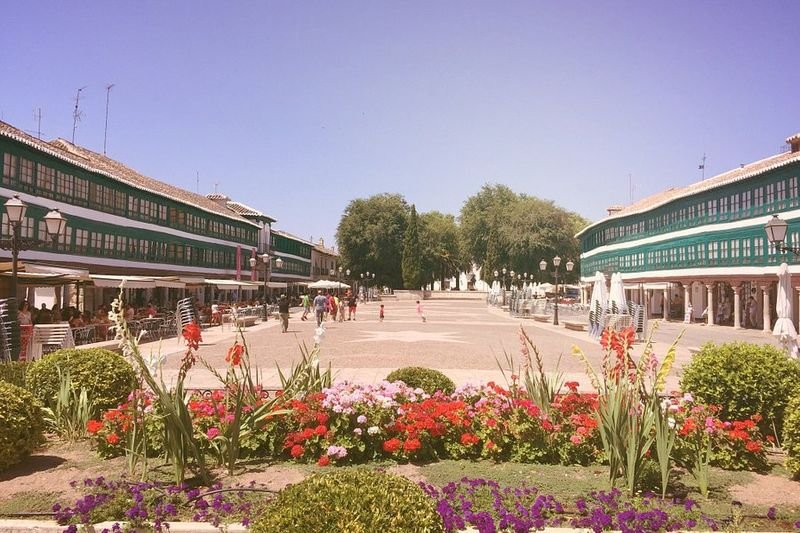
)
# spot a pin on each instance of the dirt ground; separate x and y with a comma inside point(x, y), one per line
point(51, 470)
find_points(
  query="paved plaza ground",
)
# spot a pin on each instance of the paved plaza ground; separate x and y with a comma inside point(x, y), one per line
point(462, 338)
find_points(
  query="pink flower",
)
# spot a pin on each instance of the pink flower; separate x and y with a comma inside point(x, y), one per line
point(212, 433)
point(576, 439)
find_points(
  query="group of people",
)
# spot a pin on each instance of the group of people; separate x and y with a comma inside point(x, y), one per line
point(328, 306)
point(29, 316)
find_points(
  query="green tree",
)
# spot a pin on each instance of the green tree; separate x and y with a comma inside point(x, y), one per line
point(500, 228)
point(370, 236)
point(441, 246)
point(479, 215)
point(412, 259)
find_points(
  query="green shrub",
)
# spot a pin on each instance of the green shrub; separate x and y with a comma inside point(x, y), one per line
point(14, 372)
point(356, 501)
point(791, 433)
point(21, 425)
point(107, 377)
point(743, 379)
point(427, 379)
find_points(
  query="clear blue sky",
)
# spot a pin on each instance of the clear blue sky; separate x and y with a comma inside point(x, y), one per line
point(297, 107)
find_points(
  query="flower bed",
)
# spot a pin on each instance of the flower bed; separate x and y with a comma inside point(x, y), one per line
point(352, 423)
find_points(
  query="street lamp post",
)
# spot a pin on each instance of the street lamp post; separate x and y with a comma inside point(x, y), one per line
point(365, 277)
point(776, 230)
point(556, 263)
point(15, 209)
point(266, 260)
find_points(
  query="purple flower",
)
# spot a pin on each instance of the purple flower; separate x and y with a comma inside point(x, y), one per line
point(771, 513)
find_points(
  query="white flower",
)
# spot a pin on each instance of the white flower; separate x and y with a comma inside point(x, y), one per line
point(373, 430)
point(357, 431)
point(319, 333)
point(154, 361)
point(361, 419)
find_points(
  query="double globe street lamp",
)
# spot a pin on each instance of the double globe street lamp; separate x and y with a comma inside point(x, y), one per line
point(365, 277)
point(556, 264)
point(266, 261)
point(339, 279)
point(55, 223)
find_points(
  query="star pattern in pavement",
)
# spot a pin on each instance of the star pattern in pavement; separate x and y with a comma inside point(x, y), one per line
point(408, 336)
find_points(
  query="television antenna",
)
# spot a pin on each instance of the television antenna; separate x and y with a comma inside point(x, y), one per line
point(76, 113)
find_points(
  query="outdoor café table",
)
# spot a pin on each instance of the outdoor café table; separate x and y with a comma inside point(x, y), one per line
point(152, 326)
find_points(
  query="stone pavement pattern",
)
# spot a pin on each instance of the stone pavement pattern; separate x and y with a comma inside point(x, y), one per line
point(462, 338)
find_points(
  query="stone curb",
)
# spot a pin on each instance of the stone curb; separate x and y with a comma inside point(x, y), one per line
point(50, 526)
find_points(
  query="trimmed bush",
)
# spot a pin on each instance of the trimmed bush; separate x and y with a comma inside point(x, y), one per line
point(14, 372)
point(356, 501)
point(21, 424)
point(427, 379)
point(107, 376)
point(791, 434)
point(743, 379)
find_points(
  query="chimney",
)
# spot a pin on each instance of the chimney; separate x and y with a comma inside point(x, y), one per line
point(794, 142)
point(614, 209)
point(322, 242)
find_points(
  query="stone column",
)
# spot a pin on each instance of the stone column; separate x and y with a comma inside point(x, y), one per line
point(795, 310)
point(710, 306)
point(767, 321)
point(665, 296)
point(737, 307)
point(687, 298)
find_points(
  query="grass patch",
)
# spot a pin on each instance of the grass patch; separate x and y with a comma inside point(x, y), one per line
point(33, 502)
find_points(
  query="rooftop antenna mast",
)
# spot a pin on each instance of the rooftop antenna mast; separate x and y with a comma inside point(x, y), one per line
point(38, 115)
point(215, 186)
point(76, 114)
point(702, 167)
point(197, 173)
point(105, 132)
point(630, 186)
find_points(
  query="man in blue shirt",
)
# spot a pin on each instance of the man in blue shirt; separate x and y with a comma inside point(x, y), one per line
point(320, 302)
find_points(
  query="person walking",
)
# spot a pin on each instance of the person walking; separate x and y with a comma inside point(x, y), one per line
point(340, 307)
point(306, 306)
point(352, 302)
point(421, 312)
point(283, 312)
point(380, 313)
point(320, 303)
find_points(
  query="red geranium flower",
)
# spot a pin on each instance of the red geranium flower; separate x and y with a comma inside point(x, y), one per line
point(93, 426)
point(412, 445)
point(112, 438)
point(321, 430)
point(296, 451)
point(324, 461)
point(391, 445)
point(468, 439)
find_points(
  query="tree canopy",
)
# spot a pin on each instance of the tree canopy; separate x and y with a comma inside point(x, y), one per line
point(500, 228)
point(370, 236)
point(496, 228)
point(440, 247)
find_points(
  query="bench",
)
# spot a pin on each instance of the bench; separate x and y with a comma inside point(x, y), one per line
point(575, 326)
point(541, 318)
point(245, 321)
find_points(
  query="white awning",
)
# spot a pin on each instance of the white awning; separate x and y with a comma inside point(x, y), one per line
point(53, 270)
point(128, 282)
point(170, 282)
point(232, 284)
